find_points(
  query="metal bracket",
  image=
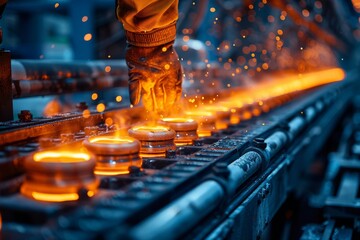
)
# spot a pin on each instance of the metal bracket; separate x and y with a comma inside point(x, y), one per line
point(6, 106)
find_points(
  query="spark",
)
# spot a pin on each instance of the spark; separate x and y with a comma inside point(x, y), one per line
point(305, 13)
point(118, 98)
point(94, 96)
point(100, 107)
point(107, 69)
point(86, 113)
point(87, 37)
point(109, 121)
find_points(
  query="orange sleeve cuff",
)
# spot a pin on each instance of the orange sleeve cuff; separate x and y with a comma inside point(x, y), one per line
point(153, 38)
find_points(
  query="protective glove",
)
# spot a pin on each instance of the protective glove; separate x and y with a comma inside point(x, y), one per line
point(155, 75)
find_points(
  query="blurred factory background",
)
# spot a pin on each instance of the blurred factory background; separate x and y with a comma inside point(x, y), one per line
point(239, 40)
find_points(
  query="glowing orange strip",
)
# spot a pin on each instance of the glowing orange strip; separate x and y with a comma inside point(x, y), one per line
point(110, 140)
point(177, 120)
point(150, 128)
point(287, 84)
point(59, 197)
point(61, 156)
point(110, 173)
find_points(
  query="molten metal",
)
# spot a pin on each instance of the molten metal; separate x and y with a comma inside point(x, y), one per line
point(155, 140)
point(185, 129)
point(222, 115)
point(114, 154)
point(59, 176)
point(206, 121)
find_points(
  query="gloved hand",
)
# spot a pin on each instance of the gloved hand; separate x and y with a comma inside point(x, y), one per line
point(155, 75)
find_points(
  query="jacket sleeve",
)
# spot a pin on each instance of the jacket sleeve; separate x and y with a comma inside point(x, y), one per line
point(148, 23)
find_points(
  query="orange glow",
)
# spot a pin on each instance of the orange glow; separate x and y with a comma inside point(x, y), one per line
point(283, 85)
point(185, 128)
point(61, 156)
point(60, 197)
point(109, 121)
point(118, 98)
point(356, 4)
point(52, 108)
point(111, 140)
point(100, 107)
point(212, 108)
point(111, 173)
point(116, 153)
point(234, 119)
point(155, 140)
point(246, 115)
point(84, 18)
point(222, 114)
point(177, 120)
point(52, 176)
point(87, 37)
point(94, 96)
point(56, 5)
point(90, 193)
point(107, 69)
point(206, 121)
point(151, 128)
point(204, 133)
point(256, 112)
point(199, 113)
point(305, 13)
point(86, 113)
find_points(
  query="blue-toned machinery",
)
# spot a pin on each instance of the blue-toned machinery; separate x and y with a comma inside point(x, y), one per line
point(266, 144)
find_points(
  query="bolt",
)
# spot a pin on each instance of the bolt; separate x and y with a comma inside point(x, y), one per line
point(25, 116)
point(221, 170)
point(259, 143)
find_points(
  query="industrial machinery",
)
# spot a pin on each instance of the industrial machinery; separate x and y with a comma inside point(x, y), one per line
point(264, 144)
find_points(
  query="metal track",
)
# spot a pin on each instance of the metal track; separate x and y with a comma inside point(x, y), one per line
point(204, 191)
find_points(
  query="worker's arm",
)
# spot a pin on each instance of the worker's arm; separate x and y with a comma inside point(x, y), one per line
point(154, 68)
point(154, 18)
